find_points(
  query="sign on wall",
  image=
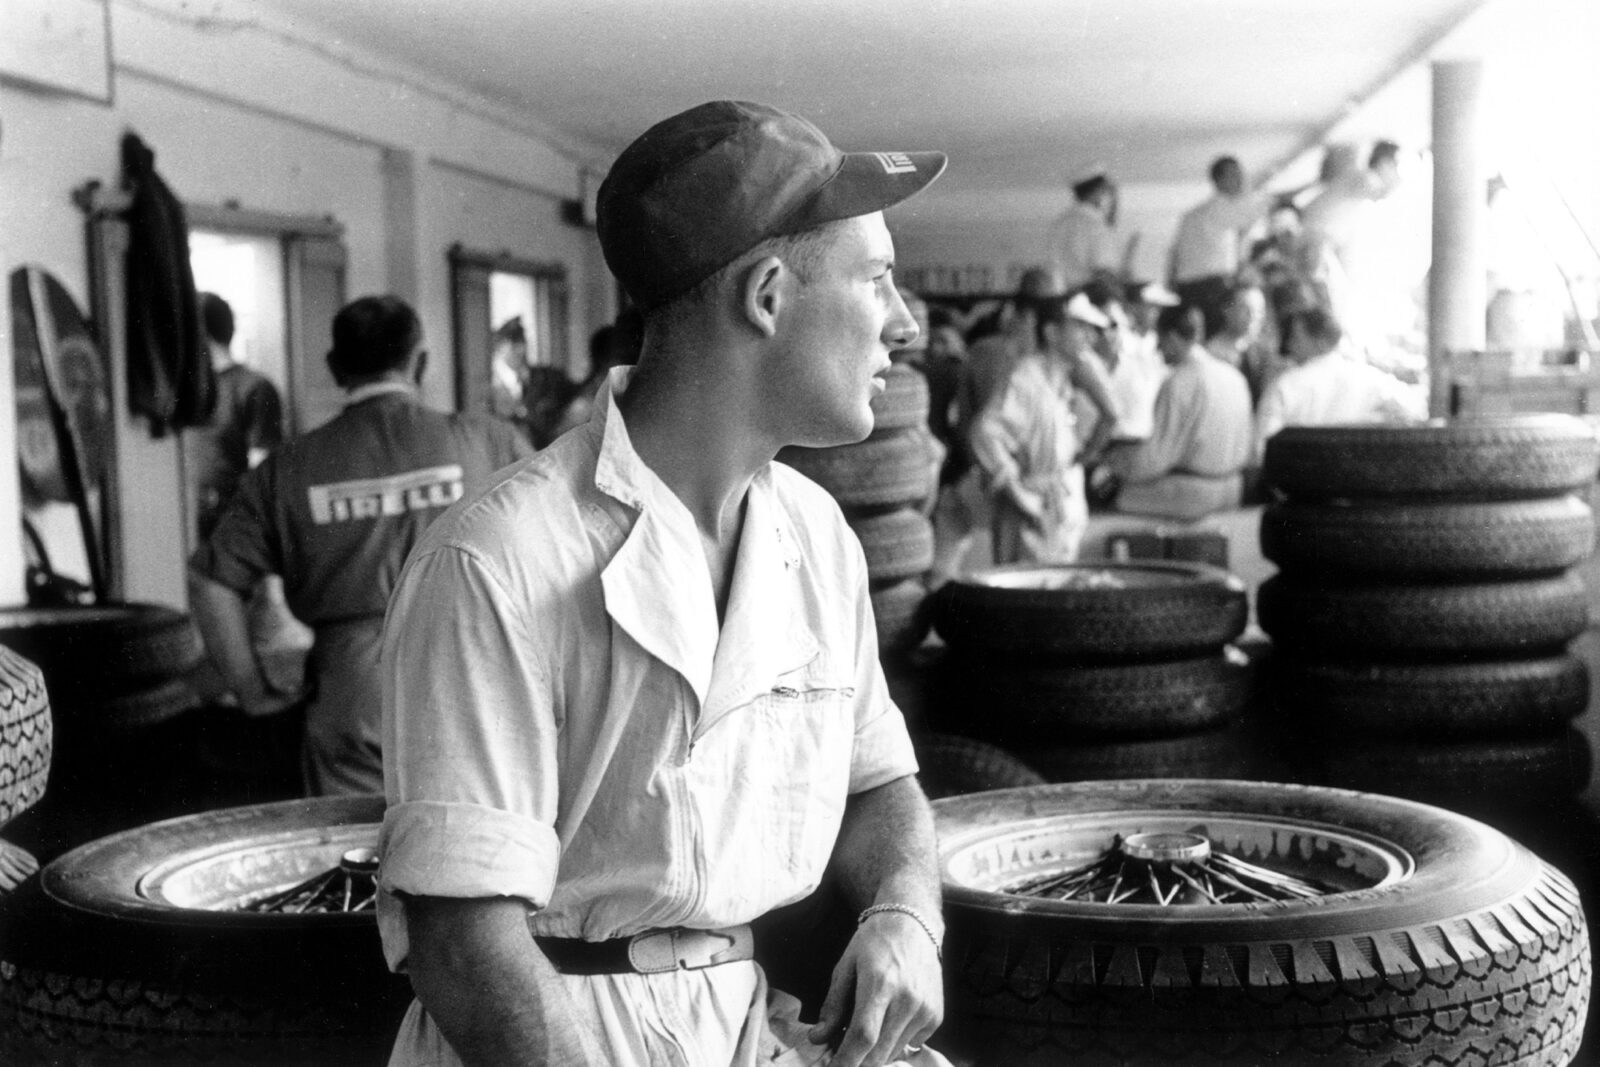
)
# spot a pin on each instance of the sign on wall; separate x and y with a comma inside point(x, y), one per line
point(63, 45)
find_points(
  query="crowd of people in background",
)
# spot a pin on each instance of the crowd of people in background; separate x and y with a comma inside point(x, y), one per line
point(1091, 389)
point(1087, 390)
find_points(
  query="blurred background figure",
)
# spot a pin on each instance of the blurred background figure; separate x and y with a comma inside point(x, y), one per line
point(508, 382)
point(1325, 387)
point(1025, 439)
point(1207, 249)
point(1085, 244)
point(334, 513)
point(1192, 463)
point(616, 344)
point(246, 425)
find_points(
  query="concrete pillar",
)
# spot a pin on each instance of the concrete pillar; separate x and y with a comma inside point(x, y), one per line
point(1458, 282)
point(400, 222)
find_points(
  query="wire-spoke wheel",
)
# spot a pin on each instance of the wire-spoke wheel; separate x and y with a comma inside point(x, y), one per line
point(244, 935)
point(1235, 923)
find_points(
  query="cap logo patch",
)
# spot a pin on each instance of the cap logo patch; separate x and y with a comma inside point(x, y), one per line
point(896, 163)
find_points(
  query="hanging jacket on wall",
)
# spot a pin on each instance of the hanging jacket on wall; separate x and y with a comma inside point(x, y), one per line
point(170, 380)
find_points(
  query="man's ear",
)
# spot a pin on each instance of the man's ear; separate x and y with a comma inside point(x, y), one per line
point(762, 293)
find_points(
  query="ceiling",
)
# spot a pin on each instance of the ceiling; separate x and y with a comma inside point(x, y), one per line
point(1020, 93)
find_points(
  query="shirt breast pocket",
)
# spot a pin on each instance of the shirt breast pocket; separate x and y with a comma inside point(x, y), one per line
point(809, 726)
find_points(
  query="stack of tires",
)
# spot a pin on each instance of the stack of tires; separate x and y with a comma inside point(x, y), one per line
point(25, 745)
point(1427, 939)
point(1425, 602)
point(143, 947)
point(117, 675)
point(885, 485)
point(1094, 671)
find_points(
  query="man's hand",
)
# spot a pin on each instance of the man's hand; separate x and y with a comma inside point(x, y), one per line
point(1028, 501)
point(888, 988)
point(265, 701)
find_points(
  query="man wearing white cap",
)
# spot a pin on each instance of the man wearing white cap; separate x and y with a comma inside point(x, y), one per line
point(1026, 442)
point(633, 699)
point(1084, 240)
point(1140, 370)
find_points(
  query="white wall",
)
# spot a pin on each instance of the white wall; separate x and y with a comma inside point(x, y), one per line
point(239, 109)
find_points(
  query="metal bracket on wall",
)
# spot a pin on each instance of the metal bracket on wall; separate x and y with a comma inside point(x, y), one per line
point(96, 201)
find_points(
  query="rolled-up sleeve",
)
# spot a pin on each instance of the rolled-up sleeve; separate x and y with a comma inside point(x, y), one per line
point(469, 743)
point(882, 750)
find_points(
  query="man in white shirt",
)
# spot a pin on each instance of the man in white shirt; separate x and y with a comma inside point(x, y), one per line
point(1140, 369)
point(1327, 388)
point(632, 697)
point(1084, 244)
point(1206, 249)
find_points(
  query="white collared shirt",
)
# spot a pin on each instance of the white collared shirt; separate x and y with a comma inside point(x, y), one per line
point(1209, 236)
point(565, 722)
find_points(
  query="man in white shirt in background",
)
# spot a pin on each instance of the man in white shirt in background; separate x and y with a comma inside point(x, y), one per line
point(1140, 370)
point(1084, 243)
point(1325, 387)
point(1205, 255)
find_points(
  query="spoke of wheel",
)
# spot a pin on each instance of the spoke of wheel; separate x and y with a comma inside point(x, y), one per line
point(1118, 878)
point(1287, 883)
point(1187, 877)
point(1229, 880)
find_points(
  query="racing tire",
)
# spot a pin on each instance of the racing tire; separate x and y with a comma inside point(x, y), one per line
point(953, 766)
point(1443, 941)
point(899, 613)
point(1478, 775)
point(1439, 540)
point(147, 707)
point(1441, 701)
point(25, 735)
point(1041, 704)
point(1388, 622)
point(1481, 458)
point(1228, 752)
point(1083, 612)
point(118, 954)
point(884, 471)
point(903, 403)
point(92, 652)
point(898, 544)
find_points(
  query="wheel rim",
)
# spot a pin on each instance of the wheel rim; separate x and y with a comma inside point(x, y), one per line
point(1080, 576)
point(1174, 858)
point(308, 871)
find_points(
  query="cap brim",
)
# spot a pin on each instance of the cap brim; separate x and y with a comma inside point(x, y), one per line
point(866, 182)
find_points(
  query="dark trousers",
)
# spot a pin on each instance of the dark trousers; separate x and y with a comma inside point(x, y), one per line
point(1208, 294)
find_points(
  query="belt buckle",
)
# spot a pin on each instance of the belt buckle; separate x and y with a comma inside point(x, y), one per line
point(682, 949)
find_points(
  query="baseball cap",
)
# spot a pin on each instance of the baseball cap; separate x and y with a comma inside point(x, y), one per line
point(1080, 307)
point(697, 190)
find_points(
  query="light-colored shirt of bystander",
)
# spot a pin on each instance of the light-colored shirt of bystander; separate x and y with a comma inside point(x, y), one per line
point(1210, 236)
point(1334, 389)
point(1200, 442)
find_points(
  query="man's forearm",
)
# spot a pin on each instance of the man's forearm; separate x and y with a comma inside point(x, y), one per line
point(220, 616)
point(887, 852)
point(496, 998)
